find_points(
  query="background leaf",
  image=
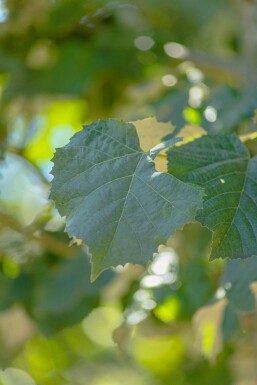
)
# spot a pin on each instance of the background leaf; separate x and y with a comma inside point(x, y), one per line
point(221, 165)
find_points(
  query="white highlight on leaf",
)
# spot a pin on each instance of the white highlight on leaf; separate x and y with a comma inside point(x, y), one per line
point(228, 285)
point(152, 281)
point(144, 43)
point(161, 265)
point(149, 304)
point(196, 95)
point(210, 114)
point(169, 80)
point(175, 50)
point(220, 293)
point(3, 12)
point(163, 270)
point(194, 75)
point(222, 180)
point(141, 295)
point(136, 316)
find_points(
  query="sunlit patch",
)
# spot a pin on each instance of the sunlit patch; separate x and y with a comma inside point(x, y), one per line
point(92, 325)
point(19, 128)
point(56, 223)
point(149, 304)
point(208, 338)
point(17, 376)
point(169, 278)
point(196, 95)
point(249, 136)
point(23, 193)
point(141, 295)
point(135, 316)
point(75, 241)
point(186, 66)
point(151, 281)
point(10, 268)
point(61, 114)
point(220, 293)
point(119, 268)
point(192, 115)
point(194, 75)
point(61, 135)
point(144, 43)
point(155, 174)
point(3, 12)
point(210, 114)
point(222, 180)
point(168, 310)
point(228, 285)
point(159, 353)
point(175, 50)
point(141, 307)
point(162, 263)
point(169, 80)
point(207, 323)
point(163, 270)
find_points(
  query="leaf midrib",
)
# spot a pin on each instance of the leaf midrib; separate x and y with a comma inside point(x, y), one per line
point(238, 207)
point(90, 168)
point(122, 212)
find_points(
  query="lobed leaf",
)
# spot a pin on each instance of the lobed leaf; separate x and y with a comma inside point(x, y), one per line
point(222, 166)
point(113, 198)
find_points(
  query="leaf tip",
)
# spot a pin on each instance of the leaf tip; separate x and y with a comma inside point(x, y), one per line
point(95, 272)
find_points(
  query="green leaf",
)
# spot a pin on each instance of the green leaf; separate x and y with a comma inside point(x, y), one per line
point(237, 278)
point(69, 279)
point(230, 323)
point(222, 166)
point(113, 198)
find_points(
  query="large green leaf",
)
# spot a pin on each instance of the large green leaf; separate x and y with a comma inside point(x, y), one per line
point(113, 198)
point(221, 165)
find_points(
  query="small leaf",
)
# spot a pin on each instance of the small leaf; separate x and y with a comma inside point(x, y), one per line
point(113, 198)
point(222, 166)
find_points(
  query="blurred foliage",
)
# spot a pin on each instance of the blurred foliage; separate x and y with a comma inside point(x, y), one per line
point(64, 63)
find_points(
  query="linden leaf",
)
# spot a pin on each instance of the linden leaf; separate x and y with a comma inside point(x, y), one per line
point(113, 198)
point(222, 166)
